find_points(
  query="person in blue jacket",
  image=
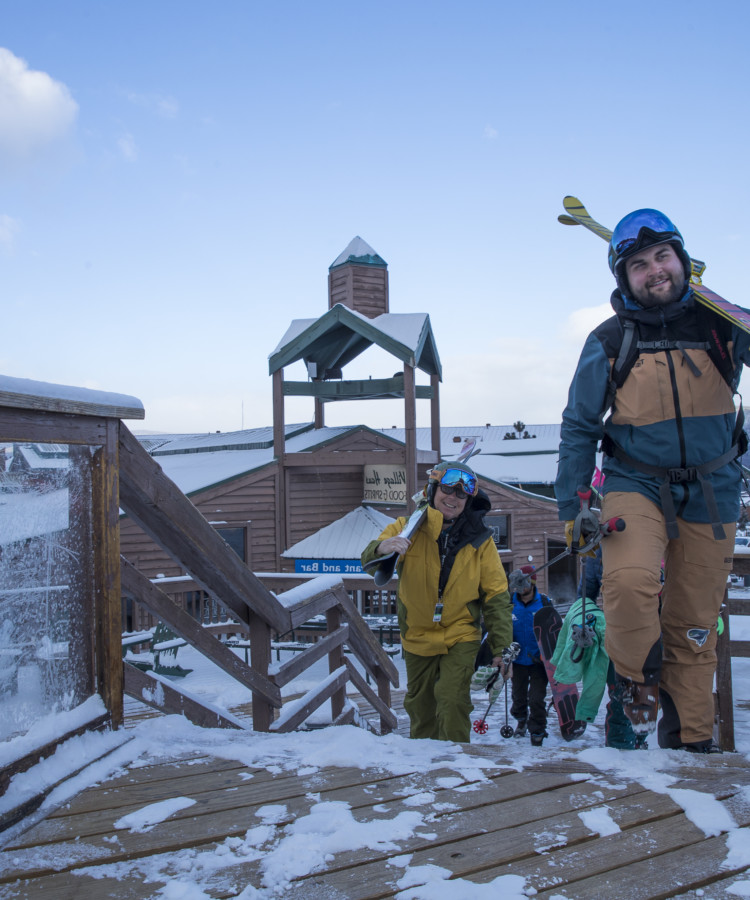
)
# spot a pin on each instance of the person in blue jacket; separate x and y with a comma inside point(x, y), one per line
point(529, 679)
point(655, 384)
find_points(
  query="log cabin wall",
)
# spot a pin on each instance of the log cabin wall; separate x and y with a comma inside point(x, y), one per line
point(533, 522)
point(362, 288)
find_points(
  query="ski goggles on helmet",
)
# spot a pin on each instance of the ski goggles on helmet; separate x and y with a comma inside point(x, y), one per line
point(640, 229)
point(456, 481)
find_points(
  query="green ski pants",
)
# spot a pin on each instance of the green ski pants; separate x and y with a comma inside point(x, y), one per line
point(438, 694)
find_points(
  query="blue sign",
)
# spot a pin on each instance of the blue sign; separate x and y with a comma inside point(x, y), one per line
point(327, 566)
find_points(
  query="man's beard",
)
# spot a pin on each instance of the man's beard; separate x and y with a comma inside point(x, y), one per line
point(649, 299)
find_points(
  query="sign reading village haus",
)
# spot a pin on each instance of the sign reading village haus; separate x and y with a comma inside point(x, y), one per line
point(385, 484)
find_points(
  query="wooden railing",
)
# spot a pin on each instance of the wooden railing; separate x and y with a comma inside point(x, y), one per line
point(726, 649)
point(170, 519)
point(108, 470)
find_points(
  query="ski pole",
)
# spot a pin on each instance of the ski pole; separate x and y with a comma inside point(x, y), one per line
point(511, 652)
point(506, 731)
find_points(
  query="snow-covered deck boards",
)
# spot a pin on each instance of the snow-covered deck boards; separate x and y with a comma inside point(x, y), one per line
point(530, 823)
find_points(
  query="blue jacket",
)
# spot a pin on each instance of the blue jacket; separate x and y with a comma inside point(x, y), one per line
point(665, 414)
point(523, 628)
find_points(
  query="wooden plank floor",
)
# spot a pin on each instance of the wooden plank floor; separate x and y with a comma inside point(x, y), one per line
point(521, 823)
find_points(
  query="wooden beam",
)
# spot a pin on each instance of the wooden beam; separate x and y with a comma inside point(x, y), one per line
point(141, 589)
point(410, 436)
point(58, 398)
point(35, 756)
point(305, 658)
point(51, 428)
point(362, 389)
point(435, 415)
point(335, 661)
point(106, 549)
point(360, 683)
point(157, 693)
point(310, 702)
point(279, 451)
point(363, 641)
point(260, 657)
point(340, 458)
point(158, 506)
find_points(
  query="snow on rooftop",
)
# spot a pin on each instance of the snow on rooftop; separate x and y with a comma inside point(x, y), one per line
point(30, 514)
point(16, 390)
point(356, 249)
point(343, 539)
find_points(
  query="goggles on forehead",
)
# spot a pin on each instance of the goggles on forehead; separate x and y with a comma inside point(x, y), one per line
point(640, 229)
point(458, 478)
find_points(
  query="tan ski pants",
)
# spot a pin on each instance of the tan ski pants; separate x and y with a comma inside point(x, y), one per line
point(677, 648)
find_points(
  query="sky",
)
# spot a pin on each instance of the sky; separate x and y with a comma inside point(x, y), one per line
point(290, 843)
point(176, 178)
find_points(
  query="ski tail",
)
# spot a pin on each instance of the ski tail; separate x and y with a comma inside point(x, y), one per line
point(577, 214)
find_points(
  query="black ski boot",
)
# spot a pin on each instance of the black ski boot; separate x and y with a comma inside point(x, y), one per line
point(702, 747)
point(520, 729)
point(537, 739)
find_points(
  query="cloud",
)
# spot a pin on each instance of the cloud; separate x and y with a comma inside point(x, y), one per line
point(163, 105)
point(506, 378)
point(8, 229)
point(581, 321)
point(35, 110)
point(127, 146)
point(490, 132)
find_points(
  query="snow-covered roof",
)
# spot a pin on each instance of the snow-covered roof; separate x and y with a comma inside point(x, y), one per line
point(41, 395)
point(490, 439)
point(30, 514)
point(360, 253)
point(343, 539)
point(37, 457)
point(248, 439)
point(540, 468)
point(197, 462)
point(194, 469)
point(340, 335)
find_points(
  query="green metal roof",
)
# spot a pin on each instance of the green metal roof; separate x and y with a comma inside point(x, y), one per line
point(341, 334)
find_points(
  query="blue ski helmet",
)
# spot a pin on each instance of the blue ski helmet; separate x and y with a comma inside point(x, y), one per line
point(638, 230)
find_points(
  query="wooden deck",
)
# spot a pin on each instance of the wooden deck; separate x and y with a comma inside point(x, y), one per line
point(522, 823)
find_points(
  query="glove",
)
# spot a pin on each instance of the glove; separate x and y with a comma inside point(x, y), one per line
point(480, 678)
point(584, 538)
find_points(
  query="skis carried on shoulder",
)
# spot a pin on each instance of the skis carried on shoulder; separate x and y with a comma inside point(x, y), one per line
point(577, 214)
point(382, 567)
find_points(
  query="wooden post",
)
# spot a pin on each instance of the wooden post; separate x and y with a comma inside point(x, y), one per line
point(335, 661)
point(279, 449)
point(410, 436)
point(106, 521)
point(260, 659)
point(435, 414)
point(83, 585)
point(724, 696)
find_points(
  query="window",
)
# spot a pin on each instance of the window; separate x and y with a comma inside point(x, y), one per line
point(500, 527)
point(235, 537)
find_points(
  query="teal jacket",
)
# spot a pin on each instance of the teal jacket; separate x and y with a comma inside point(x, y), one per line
point(588, 666)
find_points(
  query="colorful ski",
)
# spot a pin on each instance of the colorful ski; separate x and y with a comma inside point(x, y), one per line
point(577, 214)
point(547, 625)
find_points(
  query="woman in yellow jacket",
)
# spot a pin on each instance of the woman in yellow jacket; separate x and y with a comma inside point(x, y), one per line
point(449, 577)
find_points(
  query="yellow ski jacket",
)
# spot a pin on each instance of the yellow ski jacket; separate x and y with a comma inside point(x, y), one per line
point(476, 587)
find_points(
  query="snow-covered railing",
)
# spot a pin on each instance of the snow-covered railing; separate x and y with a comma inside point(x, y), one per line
point(60, 605)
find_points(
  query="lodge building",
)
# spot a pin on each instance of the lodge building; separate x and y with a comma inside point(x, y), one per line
point(306, 498)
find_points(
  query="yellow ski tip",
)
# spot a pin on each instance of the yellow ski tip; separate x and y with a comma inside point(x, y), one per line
point(567, 220)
